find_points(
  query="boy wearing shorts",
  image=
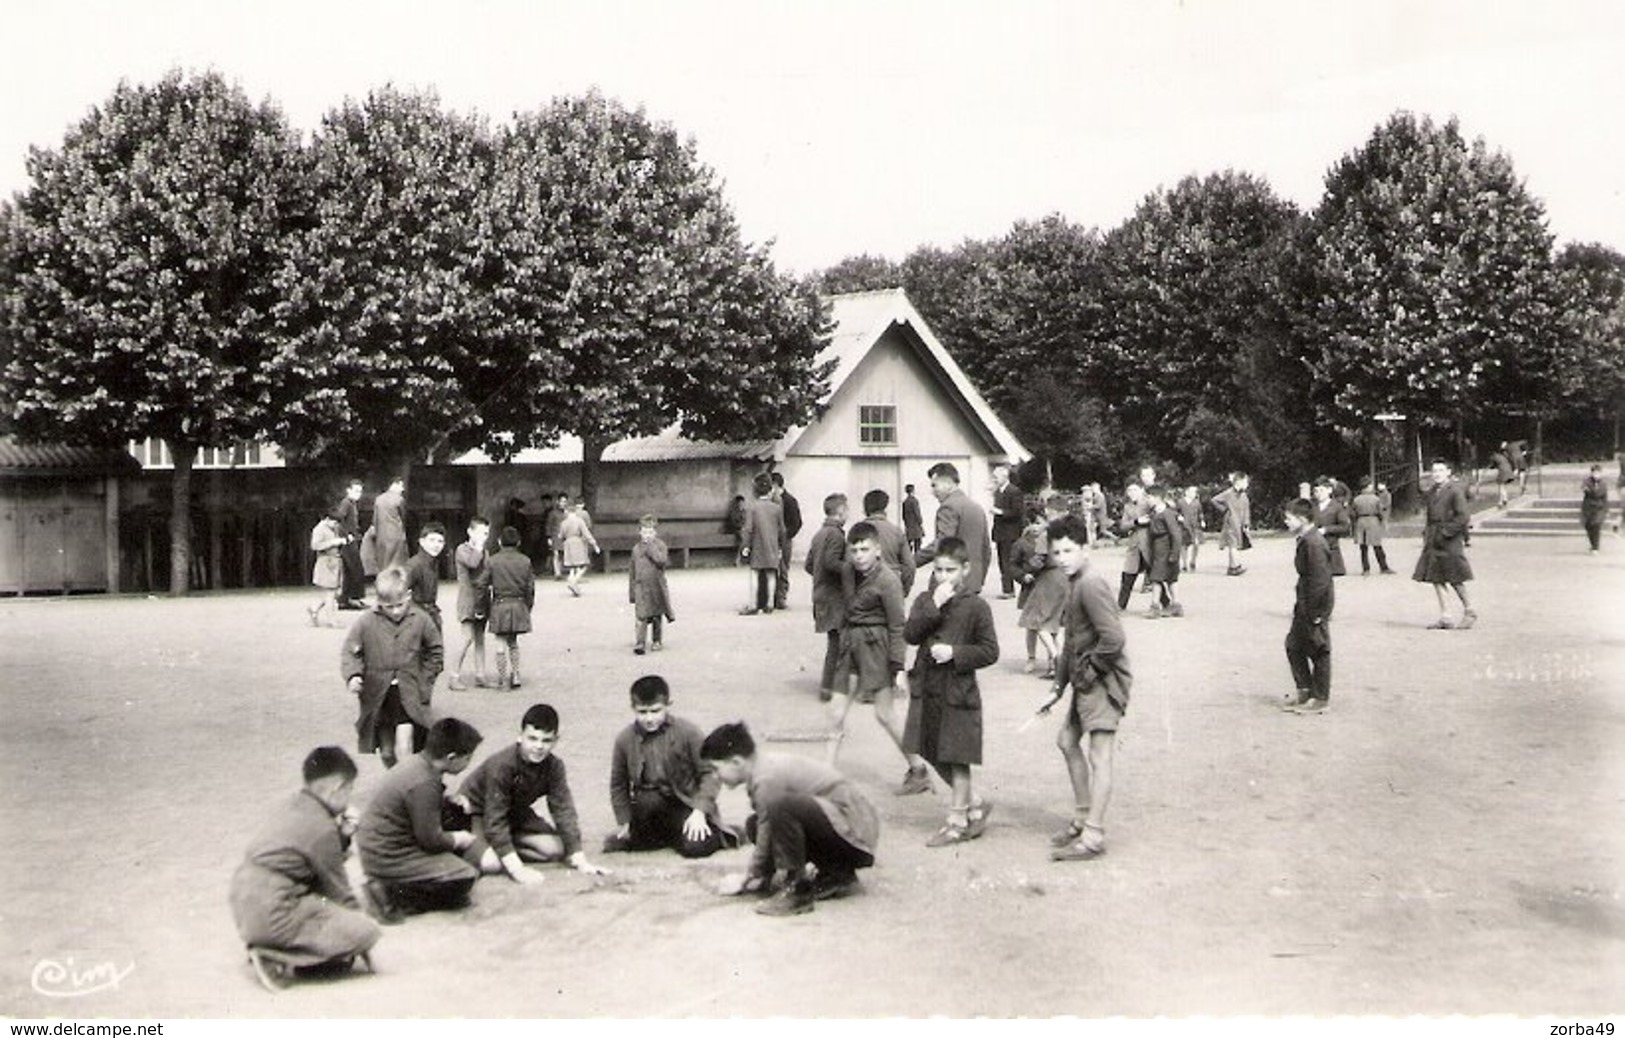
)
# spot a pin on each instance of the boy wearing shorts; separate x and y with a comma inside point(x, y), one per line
point(872, 651)
point(1094, 664)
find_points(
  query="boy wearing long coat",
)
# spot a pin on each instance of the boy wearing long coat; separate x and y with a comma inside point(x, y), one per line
point(1443, 561)
point(763, 540)
point(826, 563)
point(647, 589)
point(394, 645)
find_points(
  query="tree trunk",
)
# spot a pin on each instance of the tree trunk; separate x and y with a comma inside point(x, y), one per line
point(180, 519)
point(592, 449)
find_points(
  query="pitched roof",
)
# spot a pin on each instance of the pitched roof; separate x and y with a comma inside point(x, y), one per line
point(861, 318)
point(40, 459)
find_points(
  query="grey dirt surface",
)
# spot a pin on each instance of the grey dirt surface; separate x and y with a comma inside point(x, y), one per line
point(1447, 839)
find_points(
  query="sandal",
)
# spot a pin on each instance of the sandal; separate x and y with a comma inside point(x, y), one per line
point(1443, 623)
point(976, 824)
point(1068, 836)
point(949, 834)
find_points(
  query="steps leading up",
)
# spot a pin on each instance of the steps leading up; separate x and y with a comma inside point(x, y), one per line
point(1538, 517)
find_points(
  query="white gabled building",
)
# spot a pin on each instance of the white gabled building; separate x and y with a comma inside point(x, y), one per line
point(897, 404)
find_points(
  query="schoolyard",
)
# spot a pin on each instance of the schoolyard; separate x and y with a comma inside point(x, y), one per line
point(1448, 839)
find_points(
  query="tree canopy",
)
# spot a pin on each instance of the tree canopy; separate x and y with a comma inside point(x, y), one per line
point(385, 291)
point(1429, 289)
point(628, 301)
point(139, 276)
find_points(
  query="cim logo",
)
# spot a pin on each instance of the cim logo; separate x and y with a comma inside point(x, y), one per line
point(65, 979)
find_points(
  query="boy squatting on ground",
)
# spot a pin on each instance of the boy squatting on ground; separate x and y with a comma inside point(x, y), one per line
point(806, 813)
point(497, 800)
point(290, 896)
point(1309, 640)
point(663, 793)
point(872, 651)
point(412, 863)
point(390, 660)
point(1094, 664)
point(953, 626)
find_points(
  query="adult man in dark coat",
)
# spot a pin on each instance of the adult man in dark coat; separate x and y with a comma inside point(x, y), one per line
point(914, 525)
point(1008, 505)
point(958, 516)
point(792, 526)
point(355, 579)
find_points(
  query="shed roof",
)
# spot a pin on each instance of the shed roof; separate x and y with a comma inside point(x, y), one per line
point(45, 459)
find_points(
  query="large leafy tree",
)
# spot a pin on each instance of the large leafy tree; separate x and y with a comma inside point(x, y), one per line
point(1192, 287)
point(1429, 287)
point(387, 288)
point(1594, 276)
point(1197, 354)
point(627, 300)
point(139, 282)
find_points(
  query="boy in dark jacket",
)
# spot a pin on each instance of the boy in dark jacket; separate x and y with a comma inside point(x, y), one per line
point(389, 661)
point(1309, 640)
point(499, 799)
point(662, 792)
point(953, 626)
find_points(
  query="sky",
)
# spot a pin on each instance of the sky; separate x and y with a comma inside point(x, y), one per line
point(844, 127)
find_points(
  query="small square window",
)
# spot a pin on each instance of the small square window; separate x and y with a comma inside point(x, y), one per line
point(877, 425)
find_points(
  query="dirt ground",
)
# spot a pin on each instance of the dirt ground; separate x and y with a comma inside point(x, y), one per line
point(1448, 839)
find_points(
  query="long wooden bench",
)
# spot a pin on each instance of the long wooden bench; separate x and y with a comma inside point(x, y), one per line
point(683, 535)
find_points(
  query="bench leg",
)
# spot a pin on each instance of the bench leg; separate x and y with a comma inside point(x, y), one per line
point(685, 556)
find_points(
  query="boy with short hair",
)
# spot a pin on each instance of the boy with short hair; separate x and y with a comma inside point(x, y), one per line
point(1309, 640)
point(1235, 512)
point(826, 563)
point(953, 627)
point(473, 600)
point(412, 863)
point(1162, 553)
point(664, 794)
point(290, 896)
point(1094, 664)
point(763, 540)
point(872, 651)
point(806, 813)
point(390, 660)
point(1190, 519)
point(649, 594)
point(423, 570)
point(500, 797)
point(894, 550)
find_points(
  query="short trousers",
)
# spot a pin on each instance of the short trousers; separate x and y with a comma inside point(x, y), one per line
point(1095, 712)
point(866, 652)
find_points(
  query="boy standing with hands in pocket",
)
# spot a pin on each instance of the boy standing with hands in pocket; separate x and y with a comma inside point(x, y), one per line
point(1309, 640)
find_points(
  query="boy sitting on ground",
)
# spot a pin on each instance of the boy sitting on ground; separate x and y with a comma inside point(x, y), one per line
point(412, 863)
point(663, 793)
point(500, 797)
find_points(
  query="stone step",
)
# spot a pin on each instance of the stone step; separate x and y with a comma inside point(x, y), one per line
point(1552, 503)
